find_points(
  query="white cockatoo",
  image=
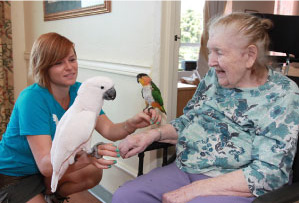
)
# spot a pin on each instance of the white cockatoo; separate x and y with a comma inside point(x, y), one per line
point(74, 130)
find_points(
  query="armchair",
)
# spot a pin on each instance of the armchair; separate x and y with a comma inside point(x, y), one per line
point(154, 146)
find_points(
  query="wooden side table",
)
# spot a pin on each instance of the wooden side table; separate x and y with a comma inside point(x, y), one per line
point(185, 93)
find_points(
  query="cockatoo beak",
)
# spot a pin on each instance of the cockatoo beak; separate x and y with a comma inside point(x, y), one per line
point(110, 94)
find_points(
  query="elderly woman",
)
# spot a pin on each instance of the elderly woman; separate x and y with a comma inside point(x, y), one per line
point(237, 137)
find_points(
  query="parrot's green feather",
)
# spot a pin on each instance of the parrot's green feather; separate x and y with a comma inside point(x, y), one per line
point(156, 94)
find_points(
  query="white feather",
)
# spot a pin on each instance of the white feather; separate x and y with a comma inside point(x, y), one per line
point(74, 130)
point(147, 94)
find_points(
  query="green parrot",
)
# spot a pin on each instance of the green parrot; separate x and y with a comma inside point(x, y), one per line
point(150, 92)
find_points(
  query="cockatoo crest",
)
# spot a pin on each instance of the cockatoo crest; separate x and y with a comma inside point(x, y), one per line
point(74, 130)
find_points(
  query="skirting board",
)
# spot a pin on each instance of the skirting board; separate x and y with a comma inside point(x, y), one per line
point(101, 194)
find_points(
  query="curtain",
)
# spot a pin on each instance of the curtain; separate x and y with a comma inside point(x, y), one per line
point(211, 9)
point(6, 67)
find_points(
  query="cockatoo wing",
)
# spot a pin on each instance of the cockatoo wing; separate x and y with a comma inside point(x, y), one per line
point(72, 135)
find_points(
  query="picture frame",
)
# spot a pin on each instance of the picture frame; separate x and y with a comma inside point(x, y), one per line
point(56, 10)
point(251, 11)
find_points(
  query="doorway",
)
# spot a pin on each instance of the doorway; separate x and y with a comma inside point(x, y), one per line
point(190, 28)
point(170, 52)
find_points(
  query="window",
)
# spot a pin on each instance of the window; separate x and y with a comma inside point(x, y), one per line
point(191, 28)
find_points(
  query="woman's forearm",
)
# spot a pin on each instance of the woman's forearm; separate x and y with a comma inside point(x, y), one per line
point(167, 134)
point(112, 131)
point(118, 131)
point(230, 184)
point(45, 166)
point(233, 184)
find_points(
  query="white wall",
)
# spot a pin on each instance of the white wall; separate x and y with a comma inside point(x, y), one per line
point(119, 44)
point(117, 37)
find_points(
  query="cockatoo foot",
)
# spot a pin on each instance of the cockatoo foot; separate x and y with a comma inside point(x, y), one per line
point(94, 150)
point(55, 197)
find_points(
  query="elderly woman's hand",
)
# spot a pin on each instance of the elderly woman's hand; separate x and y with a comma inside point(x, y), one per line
point(136, 143)
point(181, 195)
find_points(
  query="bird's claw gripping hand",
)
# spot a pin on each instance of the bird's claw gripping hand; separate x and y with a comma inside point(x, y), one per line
point(94, 150)
point(148, 108)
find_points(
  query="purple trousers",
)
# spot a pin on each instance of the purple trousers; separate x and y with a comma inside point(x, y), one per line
point(150, 187)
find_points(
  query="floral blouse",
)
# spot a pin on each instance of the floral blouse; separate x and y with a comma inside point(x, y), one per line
point(253, 129)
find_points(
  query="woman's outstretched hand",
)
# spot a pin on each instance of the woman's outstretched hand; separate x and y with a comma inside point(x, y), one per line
point(144, 119)
point(105, 149)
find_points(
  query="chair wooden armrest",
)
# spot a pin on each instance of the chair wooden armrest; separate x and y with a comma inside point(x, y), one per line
point(153, 146)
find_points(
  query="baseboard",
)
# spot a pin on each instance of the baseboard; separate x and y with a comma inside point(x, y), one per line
point(101, 193)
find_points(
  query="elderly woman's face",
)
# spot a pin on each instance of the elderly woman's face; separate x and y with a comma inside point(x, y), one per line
point(227, 54)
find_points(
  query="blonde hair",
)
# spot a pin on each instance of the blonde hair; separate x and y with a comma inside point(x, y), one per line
point(47, 50)
point(254, 28)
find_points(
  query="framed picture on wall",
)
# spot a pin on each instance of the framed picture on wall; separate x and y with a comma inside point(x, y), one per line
point(250, 11)
point(56, 10)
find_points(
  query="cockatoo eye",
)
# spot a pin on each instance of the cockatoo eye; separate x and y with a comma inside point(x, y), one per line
point(102, 87)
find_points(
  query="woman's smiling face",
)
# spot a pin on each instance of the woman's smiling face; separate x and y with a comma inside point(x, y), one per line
point(64, 72)
point(227, 54)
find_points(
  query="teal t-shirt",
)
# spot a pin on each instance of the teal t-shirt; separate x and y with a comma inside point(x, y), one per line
point(253, 129)
point(36, 112)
